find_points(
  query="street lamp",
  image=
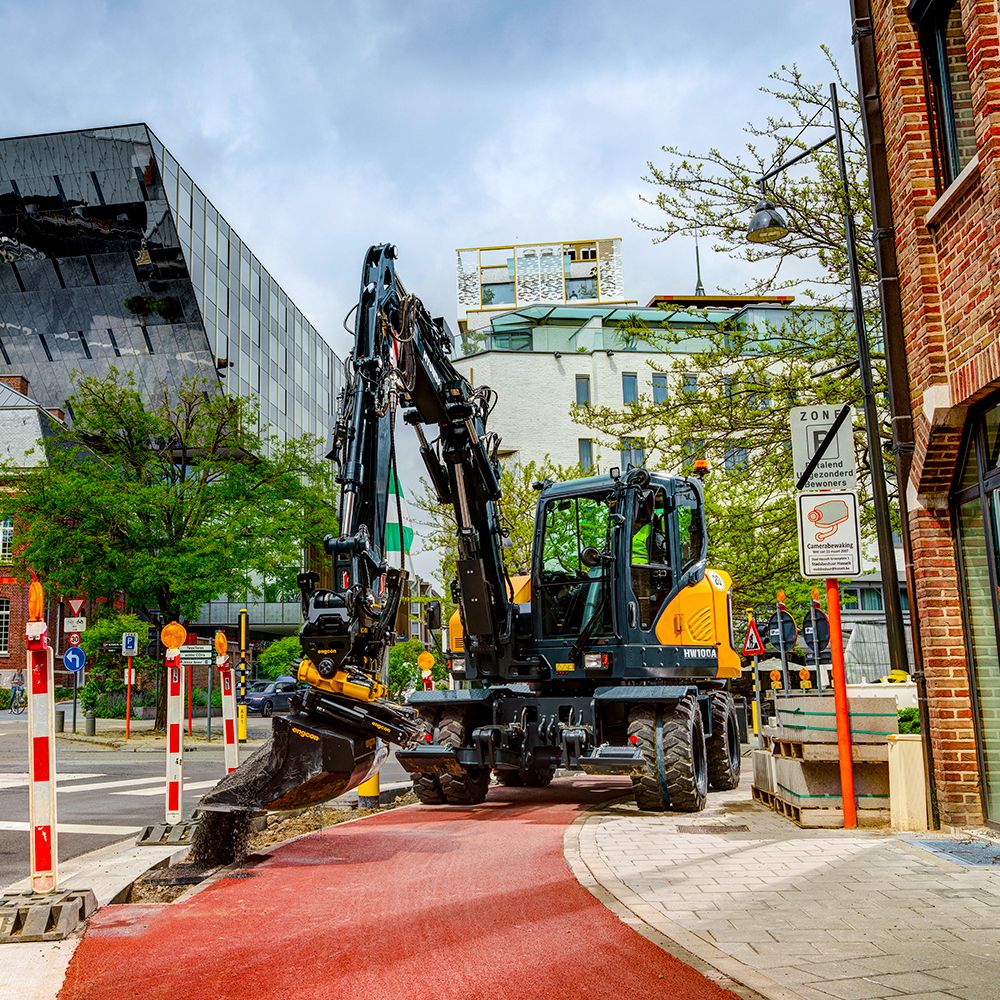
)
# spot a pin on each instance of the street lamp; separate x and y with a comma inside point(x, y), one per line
point(767, 226)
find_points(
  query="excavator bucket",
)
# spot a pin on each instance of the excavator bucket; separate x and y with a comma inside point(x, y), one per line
point(324, 748)
point(302, 764)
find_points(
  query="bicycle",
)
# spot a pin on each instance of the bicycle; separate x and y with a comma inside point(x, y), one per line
point(18, 702)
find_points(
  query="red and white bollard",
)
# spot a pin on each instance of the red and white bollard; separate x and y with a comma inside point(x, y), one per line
point(175, 736)
point(230, 744)
point(42, 755)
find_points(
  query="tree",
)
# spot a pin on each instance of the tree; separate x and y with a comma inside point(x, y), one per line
point(712, 193)
point(517, 509)
point(106, 669)
point(170, 505)
point(280, 658)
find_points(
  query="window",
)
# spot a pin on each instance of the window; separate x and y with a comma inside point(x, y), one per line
point(586, 446)
point(633, 453)
point(6, 542)
point(690, 384)
point(4, 625)
point(946, 78)
point(693, 450)
point(583, 390)
point(500, 293)
point(659, 388)
point(690, 527)
point(734, 458)
point(652, 579)
point(630, 388)
point(510, 342)
point(581, 288)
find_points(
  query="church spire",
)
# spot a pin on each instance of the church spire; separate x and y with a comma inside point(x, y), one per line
point(699, 288)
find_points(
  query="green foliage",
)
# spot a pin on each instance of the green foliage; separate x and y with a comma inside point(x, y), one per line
point(404, 672)
point(281, 657)
point(172, 504)
point(4, 699)
point(909, 720)
point(106, 670)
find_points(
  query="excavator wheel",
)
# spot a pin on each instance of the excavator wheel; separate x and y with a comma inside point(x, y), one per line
point(467, 789)
point(427, 787)
point(678, 780)
point(723, 745)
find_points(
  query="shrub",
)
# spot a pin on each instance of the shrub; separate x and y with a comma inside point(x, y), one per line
point(281, 657)
point(909, 720)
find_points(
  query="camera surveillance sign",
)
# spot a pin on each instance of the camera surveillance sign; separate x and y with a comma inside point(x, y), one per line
point(812, 426)
point(829, 534)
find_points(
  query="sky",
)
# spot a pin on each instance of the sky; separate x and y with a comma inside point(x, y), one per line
point(319, 128)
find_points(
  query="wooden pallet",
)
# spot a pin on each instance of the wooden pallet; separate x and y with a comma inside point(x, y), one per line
point(861, 753)
point(764, 798)
point(813, 818)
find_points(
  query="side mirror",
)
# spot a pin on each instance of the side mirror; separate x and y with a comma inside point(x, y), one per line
point(590, 557)
point(433, 615)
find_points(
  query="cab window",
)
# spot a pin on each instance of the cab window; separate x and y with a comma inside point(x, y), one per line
point(652, 579)
point(690, 528)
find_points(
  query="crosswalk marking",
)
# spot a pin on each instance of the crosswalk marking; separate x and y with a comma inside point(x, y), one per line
point(123, 783)
point(20, 779)
point(96, 828)
point(192, 786)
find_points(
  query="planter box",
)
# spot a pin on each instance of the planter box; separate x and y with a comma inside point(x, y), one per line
point(908, 782)
point(814, 719)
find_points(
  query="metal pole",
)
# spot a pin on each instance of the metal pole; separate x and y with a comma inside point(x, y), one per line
point(208, 721)
point(815, 642)
point(128, 701)
point(241, 680)
point(758, 703)
point(785, 682)
point(841, 707)
point(880, 500)
point(76, 685)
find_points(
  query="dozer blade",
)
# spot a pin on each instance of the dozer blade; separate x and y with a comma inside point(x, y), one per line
point(326, 747)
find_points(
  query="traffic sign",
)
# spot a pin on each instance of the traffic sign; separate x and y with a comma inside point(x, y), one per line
point(76, 605)
point(836, 468)
point(130, 644)
point(829, 535)
point(753, 644)
point(816, 622)
point(201, 655)
point(74, 624)
point(74, 638)
point(781, 629)
point(74, 658)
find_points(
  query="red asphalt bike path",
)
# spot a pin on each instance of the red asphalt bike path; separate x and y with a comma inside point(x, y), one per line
point(419, 903)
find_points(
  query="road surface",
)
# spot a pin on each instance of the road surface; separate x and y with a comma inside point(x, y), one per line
point(105, 795)
point(421, 902)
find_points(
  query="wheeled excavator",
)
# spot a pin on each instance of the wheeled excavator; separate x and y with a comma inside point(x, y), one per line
point(612, 656)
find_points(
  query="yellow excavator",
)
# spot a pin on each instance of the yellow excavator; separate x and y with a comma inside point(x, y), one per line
point(612, 656)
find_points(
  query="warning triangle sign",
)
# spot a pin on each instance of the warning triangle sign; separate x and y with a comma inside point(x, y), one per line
point(753, 645)
point(76, 605)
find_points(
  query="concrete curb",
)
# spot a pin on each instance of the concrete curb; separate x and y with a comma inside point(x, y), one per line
point(149, 746)
point(584, 859)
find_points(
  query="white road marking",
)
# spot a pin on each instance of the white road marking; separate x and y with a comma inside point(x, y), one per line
point(124, 783)
point(20, 779)
point(193, 786)
point(106, 831)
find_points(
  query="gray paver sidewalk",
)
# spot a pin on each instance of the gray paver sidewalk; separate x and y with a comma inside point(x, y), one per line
point(799, 913)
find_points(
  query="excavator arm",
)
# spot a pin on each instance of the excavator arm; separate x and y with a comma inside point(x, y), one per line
point(338, 727)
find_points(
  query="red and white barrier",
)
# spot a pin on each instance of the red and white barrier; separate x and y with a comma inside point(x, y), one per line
point(42, 760)
point(229, 741)
point(175, 736)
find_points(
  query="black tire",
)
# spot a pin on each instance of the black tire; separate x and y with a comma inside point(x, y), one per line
point(723, 746)
point(470, 787)
point(266, 709)
point(512, 779)
point(426, 787)
point(685, 766)
point(538, 776)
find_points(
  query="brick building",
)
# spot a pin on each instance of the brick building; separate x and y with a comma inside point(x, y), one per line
point(932, 70)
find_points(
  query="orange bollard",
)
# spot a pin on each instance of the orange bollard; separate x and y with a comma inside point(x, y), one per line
point(841, 706)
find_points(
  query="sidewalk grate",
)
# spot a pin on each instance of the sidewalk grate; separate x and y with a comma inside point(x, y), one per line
point(967, 853)
point(167, 834)
point(711, 828)
point(51, 916)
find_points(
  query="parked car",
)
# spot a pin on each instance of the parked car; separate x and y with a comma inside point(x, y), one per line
point(268, 697)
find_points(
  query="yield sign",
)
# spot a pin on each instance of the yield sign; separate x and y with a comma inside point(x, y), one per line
point(76, 605)
point(753, 644)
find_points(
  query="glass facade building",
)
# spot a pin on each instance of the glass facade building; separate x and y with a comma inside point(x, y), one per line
point(110, 255)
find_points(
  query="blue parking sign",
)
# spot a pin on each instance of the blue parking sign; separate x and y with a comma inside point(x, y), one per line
point(74, 658)
point(130, 644)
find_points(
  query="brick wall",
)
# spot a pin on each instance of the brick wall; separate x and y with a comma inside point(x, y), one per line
point(949, 259)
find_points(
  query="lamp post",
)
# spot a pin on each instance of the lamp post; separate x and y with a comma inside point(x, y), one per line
point(767, 226)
